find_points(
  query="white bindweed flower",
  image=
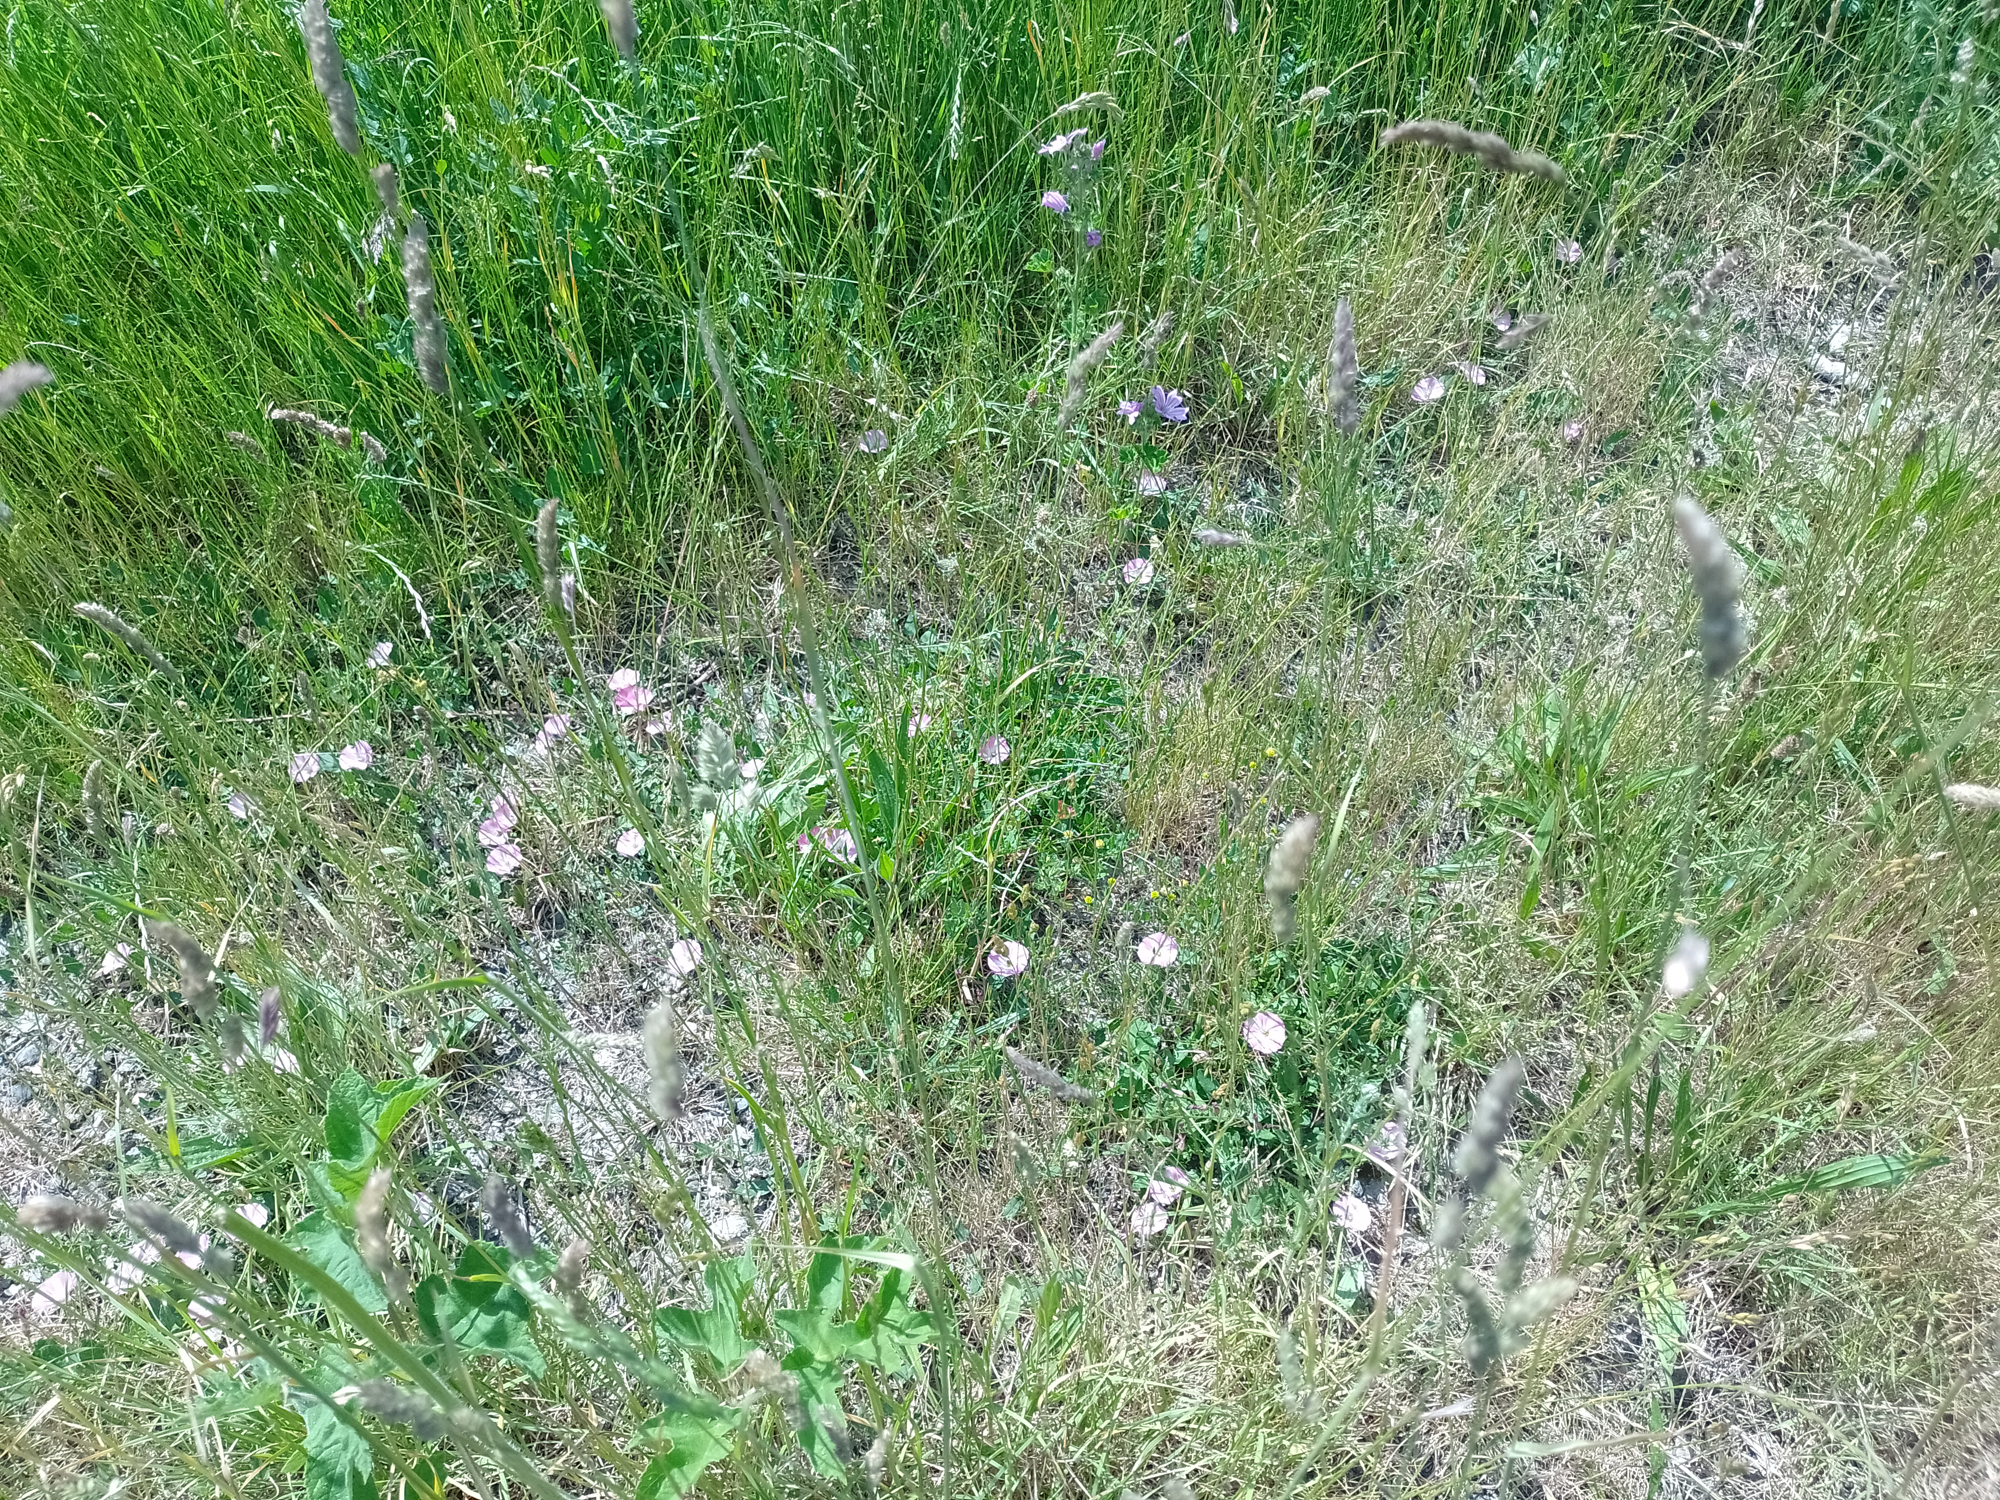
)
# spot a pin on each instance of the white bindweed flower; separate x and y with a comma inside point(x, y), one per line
point(1158, 950)
point(1351, 1214)
point(631, 843)
point(1007, 958)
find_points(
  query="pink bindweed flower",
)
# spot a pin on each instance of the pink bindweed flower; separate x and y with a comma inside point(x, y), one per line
point(1007, 958)
point(1159, 950)
point(1055, 202)
point(1264, 1033)
point(1152, 484)
point(1148, 1219)
point(874, 440)
point(305, 766)
point(1569, 252)
point(239, 807)
point(1166, 1189)
point(503, 859)
point(1503, 318)
point(839, 843)
point(51, 1294)
point(1170, 404)
point(1130, 410)
point(1474, 373)
point(1427, 390)
point(1351, 1214)
point(114, 960)
point(624, 677)
point(493, 832)
point(1390, 1146)
point(651, 728)
point(1093, 238)
point(378, 655)
point(1572, 430)
point(554, 727)
point(919, 722)
point(684, 958)
point(358, 756)
point(994, 749)
point(256, 1213)
point(1139, 571)
point(631, 843)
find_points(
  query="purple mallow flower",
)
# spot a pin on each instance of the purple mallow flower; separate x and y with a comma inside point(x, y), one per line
point(1170, 404)
point(1093, 237)
point(1055, 202)
point(1130, 410)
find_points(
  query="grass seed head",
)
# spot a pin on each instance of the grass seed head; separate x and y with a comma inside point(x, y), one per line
point(1291, 858)
point(1343, 393)
point(244, 443)
point(1492, 150)
point(52, 1213)
point(1154, 339)
point(548, 554)
point(384, 178)
point(1973, 797)
point(104, 619)
point(329, 75)
point(1718, 584)
point(504, 1213)
point(406, 1408)
point(666, 1075)
point(1076, 383)
point(268, 1012)
point(1477, 1160)
point(371, 1237)
point(1524, 328)
point(427, 328)
point(174, 1234)
point(372, 449)
point(1048, 1078)
point(570, 1267)
point(96, 807)
point(197, 970)
point(1209, 536)
point(19, 378)
point(623, 26)
point(1485, 1346)
point(339, 436)
point(1709, 288)
point(877, 1460)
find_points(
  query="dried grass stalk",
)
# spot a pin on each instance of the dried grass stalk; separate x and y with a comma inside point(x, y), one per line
point(371, 1237)
point(98, 615)
point(1076, 382)
point(1492, 150)
point(505, 1216)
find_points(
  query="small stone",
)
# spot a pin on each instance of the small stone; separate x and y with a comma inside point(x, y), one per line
point(28, 1056)
point(20, 1095)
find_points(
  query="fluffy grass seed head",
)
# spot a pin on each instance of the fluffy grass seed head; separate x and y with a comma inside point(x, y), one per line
point(340, 437)
point(1973, 797)
point(623, 26)
point(1076, 382)
point(268, 1015)
point(1043, 1077)
point(1686, 966)
point(19, 378)
point(504, 1213)
point(197, 970)
point(371, 1237)
point(1343, 392)
point(570, 1266)
point(1154, 338)
point(427, 328)
point(1718, 583)
point(104, 619)
point(384, 178)
point(548, 554)
point(666, 1075)
point(1492, 150)
point(329, 75)
point(1477, 1160)
point(877, 1460)
point(1291, 858)
point(1210, 536)
point(52, 1213)
point(399, 1404)
point(1709, 288)
point(1524, 328)
point(96, 806)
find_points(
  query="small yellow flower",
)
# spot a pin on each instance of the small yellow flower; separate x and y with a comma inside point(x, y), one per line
point(1270, 752)
point(1086, 898)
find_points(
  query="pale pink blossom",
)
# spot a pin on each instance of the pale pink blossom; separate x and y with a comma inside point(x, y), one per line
point(684, 957)
point(1391, 1144)
point(503, 810)
point(1166, 1189)
point(256, 1213)
point(503, 859)
point(305, 766)
point(114, 960)
point(1148, 1219)
point(874, 440)
point(1007, 958)
point(920, 722)
point(554, 727)
point(1055, 202)
point(239, 807)
point(1572, 430)
point(51, 1294)
point(494, 831)
point(130, 1271)
point(281, 1061)
point(358, 756)
point(839, 843)
point(994, 749)
point(1264, 1033)
point(1152, 484)
point(1351, 1214)
point(750, 770)
point(1159, 950)
point(1474, 373)
point(1139, 571)
point(1569, 252)
point(1427, 390)
point(624, 677)
point(628, 694)
point(631, 843)
point(379, 653)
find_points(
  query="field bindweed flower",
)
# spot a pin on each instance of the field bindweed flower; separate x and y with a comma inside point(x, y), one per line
point(631, 843)
point(1427, 390)
point(358, 756)
point(305, 766)
point(874, 440)
point(1390, 1146)
point(1351, 1214)
point(628, 695)
point(1130, 410)
point(1166, 1189)
point(1151, 484)
point(994, 749)
point(1007, 958)
point(1572, 430)
point(1148, 1219)
point(839, 843)
point(920, 722)
point(493, 832)
point(1139, 571)
point(1093, 237)
point(1055, 202)
point(1476, 374)
point(239, 807)
point(1264, 1033)
point(1569, 252)
point(1159, 950)
point(378, 655)
point(114, 960)
point(503, 859)
point(684, 958)
point(1171, 405)
point(554, 727)
point(50, 1295)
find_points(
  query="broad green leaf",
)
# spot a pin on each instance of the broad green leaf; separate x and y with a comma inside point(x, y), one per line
point(481, 1309)
point(350, 1124)
point(1664, 1312)
point(360, 1118)
point(826, 1276)
point(717, 1330)
point(818, 1334)
point(327, 1245)
point(1870, 1171)
point(696, 1442)
point(819, 1391)
point(339, 1462)
point(395, 1099)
